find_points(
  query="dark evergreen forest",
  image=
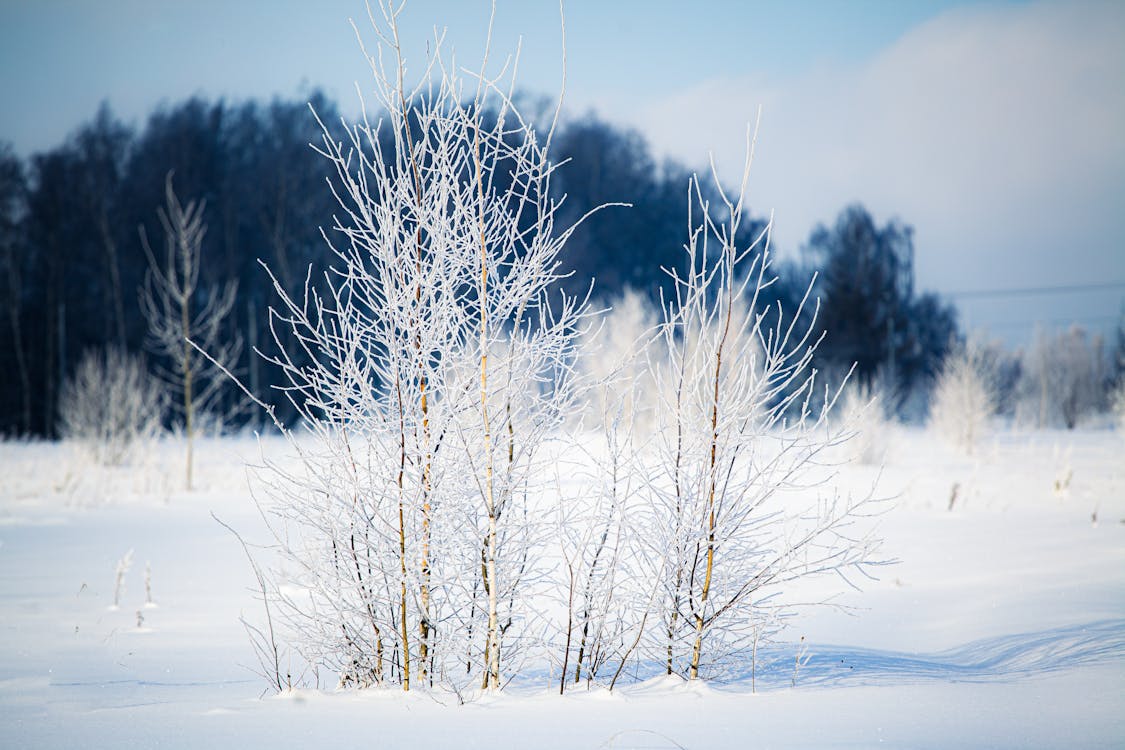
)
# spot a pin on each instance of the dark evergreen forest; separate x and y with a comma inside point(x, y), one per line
point(72, 259)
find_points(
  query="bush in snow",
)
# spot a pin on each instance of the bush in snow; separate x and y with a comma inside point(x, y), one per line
point(1063, 377)
point(963, 401)
point(111, 406)
point(863, 409)
point(695, 526)
point(439, 364)
point(740, 452)
point(612, 362)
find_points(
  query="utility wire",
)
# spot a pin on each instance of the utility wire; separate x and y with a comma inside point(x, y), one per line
point(1063, 289)
point(1027, 323)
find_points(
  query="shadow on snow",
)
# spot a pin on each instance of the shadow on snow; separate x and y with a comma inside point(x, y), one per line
point(991, 659)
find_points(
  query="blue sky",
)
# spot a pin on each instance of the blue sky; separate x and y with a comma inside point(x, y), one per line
point(994, 128)
point(60, 58)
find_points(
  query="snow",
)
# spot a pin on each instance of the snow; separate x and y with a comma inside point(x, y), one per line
point(1002, 624)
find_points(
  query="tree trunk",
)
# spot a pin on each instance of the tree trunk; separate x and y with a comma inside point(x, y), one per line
point(697, 649)
point(114, 278)
point(14, 316)
point(189, 398)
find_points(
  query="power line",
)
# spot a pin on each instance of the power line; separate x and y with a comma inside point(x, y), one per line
point(1028, 323)
point(1031, 290)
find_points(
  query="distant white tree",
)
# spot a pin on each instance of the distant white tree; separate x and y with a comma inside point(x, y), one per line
point(862, 408)
point(612, 360)
point(180, 327)
point(740, 452)
point(111, 406)
point(963, 400)
point(1117, 406)
point(1063, 377)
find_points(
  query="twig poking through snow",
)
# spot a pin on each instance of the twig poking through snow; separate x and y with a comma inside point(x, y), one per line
point(148, 586)
point(123, 566)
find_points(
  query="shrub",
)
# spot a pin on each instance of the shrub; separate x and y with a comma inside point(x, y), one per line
point(111, 406)
point(963, 400)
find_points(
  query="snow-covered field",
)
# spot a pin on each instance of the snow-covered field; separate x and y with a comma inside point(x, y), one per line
point(1003, 624)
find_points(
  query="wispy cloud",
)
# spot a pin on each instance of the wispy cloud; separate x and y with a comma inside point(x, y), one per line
point(995, 130)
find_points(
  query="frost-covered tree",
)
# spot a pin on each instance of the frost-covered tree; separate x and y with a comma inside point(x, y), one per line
point(963, 400)
point(862, 408)
point(611, 360)
point(111, 406)
point(740, 451)
point(1063, 377)
point(432, 364)
point(1117, 364)
point(421, 515)
point(184, 320)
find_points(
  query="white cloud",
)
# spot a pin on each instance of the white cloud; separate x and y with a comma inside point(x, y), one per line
point(996, 131)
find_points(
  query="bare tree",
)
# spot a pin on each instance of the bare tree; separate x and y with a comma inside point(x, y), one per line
point(740, 468)
point(434, 365)
point(13, 199)
point(181, 314)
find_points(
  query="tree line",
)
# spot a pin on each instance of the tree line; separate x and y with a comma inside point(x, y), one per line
point(72, 258)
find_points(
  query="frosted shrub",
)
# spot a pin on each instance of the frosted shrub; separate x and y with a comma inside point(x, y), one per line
point(603, 588)
point(862, 407)
point(963, 400)
point(693, 527)
point(739, 454)
point(1063, 377)
point(111, 406)
point(1117, 406)
point(612, 360)
point(440, 363)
